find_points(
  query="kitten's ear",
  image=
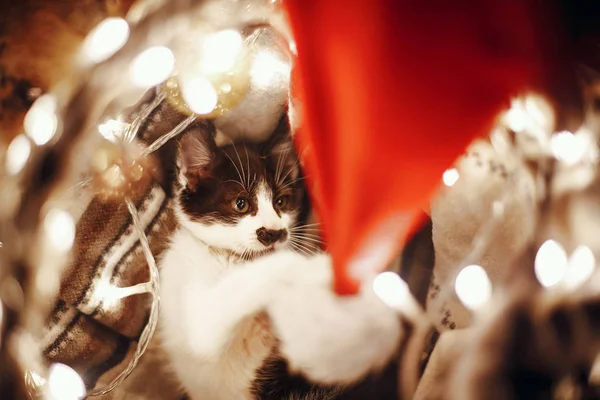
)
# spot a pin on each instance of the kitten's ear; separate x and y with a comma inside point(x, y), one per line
point(197, 149)
point(280, 147)
point(280, 140)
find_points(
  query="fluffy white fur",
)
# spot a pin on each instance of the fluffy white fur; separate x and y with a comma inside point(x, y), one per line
point(215, 345)
point(213, 325)
point(328, 338)
point(221, 315)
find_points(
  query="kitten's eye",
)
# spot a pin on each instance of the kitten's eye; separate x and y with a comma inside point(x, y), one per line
point(241, 204)
point(282, 201)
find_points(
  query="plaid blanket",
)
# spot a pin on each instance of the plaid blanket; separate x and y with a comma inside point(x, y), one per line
point(88, 330)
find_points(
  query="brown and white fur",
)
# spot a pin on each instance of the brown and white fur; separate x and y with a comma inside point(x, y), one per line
point(236, 281)
point(234, 204)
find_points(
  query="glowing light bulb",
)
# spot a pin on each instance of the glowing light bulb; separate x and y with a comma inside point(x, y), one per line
point(532, 114)
point(567, 147)
point(539, 111)
point(60, 229)
point(390, 289)
point(64, 383)
point(106, 39)
point(516, 117)
point(473, 287)
point(581, 266)
point(108, 294)
point(200, 95)
point(450, 177)
point(17, 154)
point(41, 120)
point(266, 68)
point(551, 263)
point(220, 51)
point(152, 66)
point(113, 130)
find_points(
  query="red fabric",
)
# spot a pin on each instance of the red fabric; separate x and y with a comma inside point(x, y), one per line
point(392, 92)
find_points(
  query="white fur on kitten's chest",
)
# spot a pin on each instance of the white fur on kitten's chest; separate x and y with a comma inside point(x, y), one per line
point(194, 317)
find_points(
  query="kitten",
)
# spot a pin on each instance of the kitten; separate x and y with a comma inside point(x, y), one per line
point(235, 204)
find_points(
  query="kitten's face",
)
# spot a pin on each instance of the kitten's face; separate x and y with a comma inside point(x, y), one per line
point(243, 198)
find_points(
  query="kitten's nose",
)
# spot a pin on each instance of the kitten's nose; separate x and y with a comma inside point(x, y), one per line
point(270, 236)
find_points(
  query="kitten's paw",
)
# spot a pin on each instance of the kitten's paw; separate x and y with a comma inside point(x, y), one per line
point(332, 339)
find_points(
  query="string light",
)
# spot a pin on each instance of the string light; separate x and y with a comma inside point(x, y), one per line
point(113, 130)
point(516, 117)
point(532, 115)
point(106, 39)
point(152, 66)
point(567, 147)
point(551, 263)
point(581, 267)
point(473, 287)
point(60, 229)
point(111, 295)
point(220, 51)
point(17, 154)
point(200, 95)
point(64, 383)
point(41, 121)
point(391, 289)
point(450, 177)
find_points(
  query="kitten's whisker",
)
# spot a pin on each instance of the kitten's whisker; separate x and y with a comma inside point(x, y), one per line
point(248, 163)
point(305, 229)
point(305, 241)
point(313, 231)
point(306, 225)
point(313, 226)
point(297, 164)
point(303, 246)
point(308, 245)
point(297, 249)
point(235, 181)
point(234, 165)
point(291, 183)
point(241, 165)
point(281, 161)
point(303, 232)
point(309, 239)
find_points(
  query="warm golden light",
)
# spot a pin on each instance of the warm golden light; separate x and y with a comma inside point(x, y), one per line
point(106, 39)
point(391, 289)
point(450, 176)
point(64, 383)
point(17, 154)
point(581, 267)
point(200, 95)
point(41, 121)
point(152, 66)
point(473, 287)
point(60, 229)
point(551, 263)
point(220, 51)
point(113, 130)
point(568, 147)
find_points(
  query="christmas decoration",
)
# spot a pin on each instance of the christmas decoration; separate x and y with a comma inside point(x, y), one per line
point(513, 223)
